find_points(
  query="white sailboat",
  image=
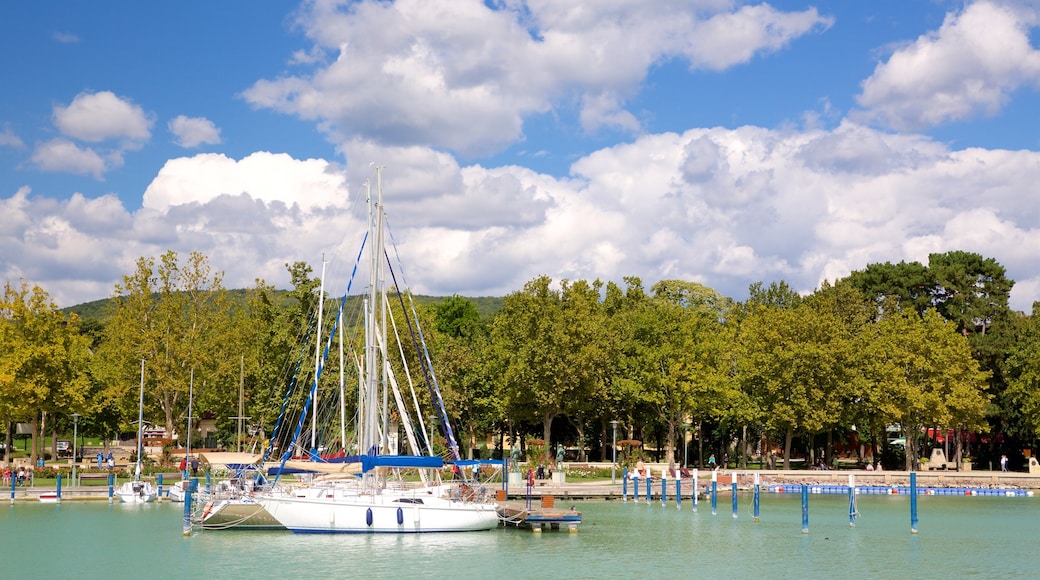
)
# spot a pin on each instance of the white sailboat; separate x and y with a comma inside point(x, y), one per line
point(138, 491)
point(368, 502)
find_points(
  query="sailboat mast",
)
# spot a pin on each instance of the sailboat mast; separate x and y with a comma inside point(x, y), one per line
point(369, 405)
point(380, 259)
point(140, 426)
point(317, 362)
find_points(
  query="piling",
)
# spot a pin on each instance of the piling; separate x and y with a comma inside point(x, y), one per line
point(805, 509)
point(188, 493)
point(714, 492)
point(758, 490)
point(852, 500)
point(624, 485)
point(59, 488)
point(664, 488)
point(695, 490)
point(733, 488)
point(635, 487)
point(111, 486)
point(158, 497)
point(913, 502)
point(678, 492)
point(648, 491)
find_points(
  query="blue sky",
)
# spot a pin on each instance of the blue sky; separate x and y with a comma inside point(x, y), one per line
point(717, 141)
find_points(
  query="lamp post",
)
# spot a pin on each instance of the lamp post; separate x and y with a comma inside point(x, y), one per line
point(75, 441)
point(613, 447)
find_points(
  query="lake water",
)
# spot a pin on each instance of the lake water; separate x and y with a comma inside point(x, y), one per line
point(958, 537)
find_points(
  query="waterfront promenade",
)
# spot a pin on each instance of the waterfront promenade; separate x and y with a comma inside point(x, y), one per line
point(603, 489)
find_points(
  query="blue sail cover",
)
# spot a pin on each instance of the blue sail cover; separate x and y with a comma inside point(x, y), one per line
point(418, 461)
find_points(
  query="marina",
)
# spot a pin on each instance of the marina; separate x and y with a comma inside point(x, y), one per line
point(959, 536)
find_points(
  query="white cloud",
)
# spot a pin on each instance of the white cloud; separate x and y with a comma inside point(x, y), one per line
point(64, 155)
point(969, 67)
point(100, 116)
point(9, 139)
point(722, 207)
point(65, 37)
point(194, 131)
point(470, 90)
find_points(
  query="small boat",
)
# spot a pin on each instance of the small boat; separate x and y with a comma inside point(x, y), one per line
point(177, 491)
point(138, 491)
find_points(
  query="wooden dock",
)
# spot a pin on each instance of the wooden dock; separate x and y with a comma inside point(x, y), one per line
point(538, 514)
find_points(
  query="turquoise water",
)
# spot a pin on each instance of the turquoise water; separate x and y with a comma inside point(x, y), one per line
point(958, 537)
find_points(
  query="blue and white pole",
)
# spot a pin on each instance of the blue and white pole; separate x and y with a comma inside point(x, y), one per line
point(696, 480)
point(758, 490)
point(913, 502)
point(805, 509)
point(714, 492)
point(733, 487)
point(852, 500)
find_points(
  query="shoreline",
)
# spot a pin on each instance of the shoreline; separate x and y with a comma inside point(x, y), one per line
point(604, 490)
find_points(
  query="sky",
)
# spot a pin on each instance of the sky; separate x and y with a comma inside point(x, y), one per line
point(715, 141)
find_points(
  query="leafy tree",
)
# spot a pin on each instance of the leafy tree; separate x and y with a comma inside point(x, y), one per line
point(44, 361)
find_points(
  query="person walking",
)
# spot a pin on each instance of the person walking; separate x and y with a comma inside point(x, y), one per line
point(1003, 462)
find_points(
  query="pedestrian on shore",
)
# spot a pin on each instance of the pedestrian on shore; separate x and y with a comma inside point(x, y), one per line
point(7, 476)
point(184, 466)
point(711, 462)
point(100, 460)
point(111, 461)
point(1003, 462)
point(194, 466)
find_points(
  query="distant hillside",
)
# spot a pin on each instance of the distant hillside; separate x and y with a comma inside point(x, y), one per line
point(100, 310)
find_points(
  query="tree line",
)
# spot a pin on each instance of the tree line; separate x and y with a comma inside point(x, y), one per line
point(677, 365)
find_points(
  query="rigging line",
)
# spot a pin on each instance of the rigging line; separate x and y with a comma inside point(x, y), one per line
point(435, 395)
point(428, 366)
point(407, 374)
point(310, 395)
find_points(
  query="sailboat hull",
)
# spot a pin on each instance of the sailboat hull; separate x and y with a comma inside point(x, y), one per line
point(137, 492)
point(379, 513)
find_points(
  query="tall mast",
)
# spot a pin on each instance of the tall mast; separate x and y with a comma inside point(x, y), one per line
point(140, 427)
point(317, 362)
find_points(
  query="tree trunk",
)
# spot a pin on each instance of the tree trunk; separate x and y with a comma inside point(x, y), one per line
point(670, 443)
point(603, 438)
point(700, 445)
point(788, 437)
point(547, 428)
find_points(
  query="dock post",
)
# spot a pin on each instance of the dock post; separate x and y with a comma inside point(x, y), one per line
point(111, 486)
point(678, 492)
point(695, 491)
point(758, 490)
point(714, 492)
point(852, 500)
point(733, 487)
point(635, 487)
point(624, 485)
point(664, 488)
point(649, 492)
point(188, 493)
point(59, 488)
point(913, 502)
point(805, 509)
point(158, 496)
point(14, 481)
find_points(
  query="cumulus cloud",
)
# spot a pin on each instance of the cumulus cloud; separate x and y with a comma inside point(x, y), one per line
point(724, 207)
point(64, 155)
point(970, 66)
point(194, 131)
point(469, 91)
point(100, 116)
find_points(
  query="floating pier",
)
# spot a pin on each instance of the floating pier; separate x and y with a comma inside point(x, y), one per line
point(545, 516)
